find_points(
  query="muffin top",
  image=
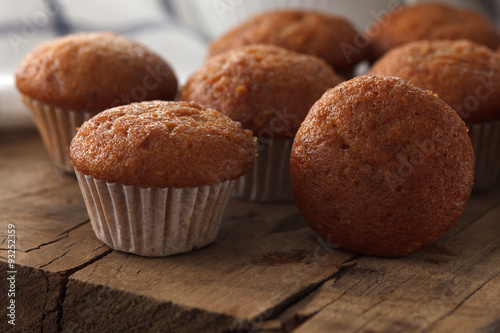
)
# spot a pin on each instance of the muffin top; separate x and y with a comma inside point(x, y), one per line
point(266, 88)
point(161, 144)
point(381, 167)
point(431, 21)
point(463, 74)
point(93, 72)
point(329, 37)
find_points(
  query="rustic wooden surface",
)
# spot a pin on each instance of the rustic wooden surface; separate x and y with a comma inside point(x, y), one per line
point(267, 271)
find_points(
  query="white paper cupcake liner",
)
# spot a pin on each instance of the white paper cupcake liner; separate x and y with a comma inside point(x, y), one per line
point(485, 139)
point(154, 221)
point(268, 180)
point(57, 127)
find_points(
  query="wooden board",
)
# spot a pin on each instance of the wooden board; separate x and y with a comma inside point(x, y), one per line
point(267, 271)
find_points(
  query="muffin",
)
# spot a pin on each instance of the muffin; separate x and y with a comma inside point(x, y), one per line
point(156, 176)
point(430, 21)
point(65, 81)
point(269, 90)
point(464, 75)
point(329, 37)
point(381, 167)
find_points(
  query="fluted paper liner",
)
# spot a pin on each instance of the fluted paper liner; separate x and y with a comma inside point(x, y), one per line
point(268, 179)
point(485, 139)
point(57, 127)
point(154, 221)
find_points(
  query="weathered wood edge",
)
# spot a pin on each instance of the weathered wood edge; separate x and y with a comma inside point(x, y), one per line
point(364, 271)
point(56, 285)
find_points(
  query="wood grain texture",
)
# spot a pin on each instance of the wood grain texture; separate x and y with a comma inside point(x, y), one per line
point(426, 291)
point(266, 272)
point(53, 233)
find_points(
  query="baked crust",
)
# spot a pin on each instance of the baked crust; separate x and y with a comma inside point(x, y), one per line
point(464, 74)
point(161, 144)
point(431, 21)
point(266, 88)
point(329, 37)
point(93, 72)
point(381, 167)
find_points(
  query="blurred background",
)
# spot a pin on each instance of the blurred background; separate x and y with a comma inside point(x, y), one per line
point(178, 30)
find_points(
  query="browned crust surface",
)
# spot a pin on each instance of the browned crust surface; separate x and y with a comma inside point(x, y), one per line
point(463, 74)
point(328, 37)
point(431, 21)
point(93, 72)
point(266, 88)
point(161, 144)
point(381, 167)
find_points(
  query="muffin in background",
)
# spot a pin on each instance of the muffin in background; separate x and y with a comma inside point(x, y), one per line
point(329, 37)
point(466, 76)
point(381, 167)
point(430, 21)
point(269, 90)
point(157, 176)
point(67, 80)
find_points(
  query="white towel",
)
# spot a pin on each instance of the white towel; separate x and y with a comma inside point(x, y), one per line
point(25, 23)
point(178, 30)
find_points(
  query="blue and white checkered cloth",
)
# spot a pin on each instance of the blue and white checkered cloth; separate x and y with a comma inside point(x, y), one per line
point(178, 30)
point(25, 23)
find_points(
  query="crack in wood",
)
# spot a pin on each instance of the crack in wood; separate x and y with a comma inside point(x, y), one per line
point(354, 258)
point(64, 234)
point(73, 270)
point(57, 258)
point(60, 302)
point(298, 319)
point(462, 302)
point(44, 314)
point(272, 313)
point(73, 244)
point(294, 322)
point(44, 244)
point(363, 327)
point(336, 276)
point(65, 275)
point(492, 250)
point(373, 306)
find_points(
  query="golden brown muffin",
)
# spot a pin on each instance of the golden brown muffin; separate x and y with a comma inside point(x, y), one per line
point(161, 144)
point(431, 21)
point(466, 76)
point(381, 167)
point(463, 74)
point(329, 37)
point(262, 86)
point(93, 72)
